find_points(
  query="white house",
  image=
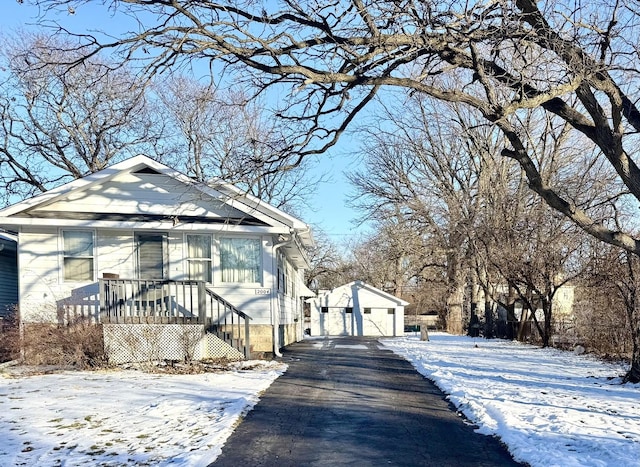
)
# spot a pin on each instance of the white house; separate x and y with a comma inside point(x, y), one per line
point(139, 242)
point(356, 309)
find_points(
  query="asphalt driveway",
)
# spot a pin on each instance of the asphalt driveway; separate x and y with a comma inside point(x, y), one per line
point(349, 401)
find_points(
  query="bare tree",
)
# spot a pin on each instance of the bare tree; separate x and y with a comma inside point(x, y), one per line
point(326, 262)
point(536, 257)
point(531, 248)
point(59, 124)
point(577, 61)
point(224, 135)
point(419, 167)
point(605, 293)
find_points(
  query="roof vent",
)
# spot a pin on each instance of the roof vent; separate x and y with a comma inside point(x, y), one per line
point(147, 170)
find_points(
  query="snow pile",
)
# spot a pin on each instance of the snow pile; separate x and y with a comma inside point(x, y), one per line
point(550, 407)
point(125, 417)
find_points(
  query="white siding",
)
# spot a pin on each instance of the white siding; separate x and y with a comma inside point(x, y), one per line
point(43, 293)
point(115, 253)
point(132, 193)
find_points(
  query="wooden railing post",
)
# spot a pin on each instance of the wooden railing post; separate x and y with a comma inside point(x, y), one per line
point(247, 343)
point(202, 302)
point(103, 298)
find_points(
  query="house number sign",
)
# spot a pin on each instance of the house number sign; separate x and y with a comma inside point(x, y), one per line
point(263, 291)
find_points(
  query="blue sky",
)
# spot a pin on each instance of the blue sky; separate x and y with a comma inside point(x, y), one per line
point(330, 212)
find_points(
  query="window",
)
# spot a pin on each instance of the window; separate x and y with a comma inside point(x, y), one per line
point(282, 274)
point(199, 257)
point(391, 311)
point(348, 309)
point(77, 255)
point(324, 309)
point(240, 259)
point(367, 311)
point(150, 255)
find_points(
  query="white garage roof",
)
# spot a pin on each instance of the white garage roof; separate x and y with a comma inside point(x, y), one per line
point(367, 295)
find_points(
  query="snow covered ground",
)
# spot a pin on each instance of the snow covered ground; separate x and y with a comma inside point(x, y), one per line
point(550, 408)
point(116, 418)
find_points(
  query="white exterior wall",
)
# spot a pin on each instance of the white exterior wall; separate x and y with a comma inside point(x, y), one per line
point(144, 193)
point(115, 253)
point(290, 304)
point(43, 289)
point(337, 321)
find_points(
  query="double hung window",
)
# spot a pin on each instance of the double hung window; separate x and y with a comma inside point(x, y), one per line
point(199, 257)
point(78, 255)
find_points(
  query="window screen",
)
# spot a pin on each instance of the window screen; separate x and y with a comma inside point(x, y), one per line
point(150, 254)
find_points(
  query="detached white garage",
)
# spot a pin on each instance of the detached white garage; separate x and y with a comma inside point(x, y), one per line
point(356, 309)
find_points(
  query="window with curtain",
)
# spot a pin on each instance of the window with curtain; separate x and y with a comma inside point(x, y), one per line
point(240, 259)
point(150, 255)
point(199, 257)
point(77, 255)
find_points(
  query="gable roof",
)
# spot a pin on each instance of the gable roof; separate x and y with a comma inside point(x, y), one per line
point(361, 285)
point(236, 208)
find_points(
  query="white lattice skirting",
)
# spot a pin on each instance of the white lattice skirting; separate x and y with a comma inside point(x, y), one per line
point(126, 343)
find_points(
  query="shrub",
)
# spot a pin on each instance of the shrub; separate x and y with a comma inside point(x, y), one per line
point(9, 338)
point(78, 344)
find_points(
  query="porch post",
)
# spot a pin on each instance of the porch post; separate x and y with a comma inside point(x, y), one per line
point(103, 302)
point(202, 303)
point(247, 342)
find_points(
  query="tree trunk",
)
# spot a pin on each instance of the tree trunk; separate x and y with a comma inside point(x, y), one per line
point(488, 317)
point(512, 321)
point(630, 293)
point(633, 311)
point(547, 306)
point(523, 320)
point(455, 298)
point(454, 310)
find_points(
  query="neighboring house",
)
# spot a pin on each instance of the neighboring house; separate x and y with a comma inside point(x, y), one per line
point(8, 273)
point(139, 242)
point(356, 309)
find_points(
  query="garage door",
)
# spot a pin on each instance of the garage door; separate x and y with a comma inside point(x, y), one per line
point(337, 322)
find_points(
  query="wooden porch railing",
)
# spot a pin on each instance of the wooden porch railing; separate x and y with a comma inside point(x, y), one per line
point(229, 323)
point(142, 301)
